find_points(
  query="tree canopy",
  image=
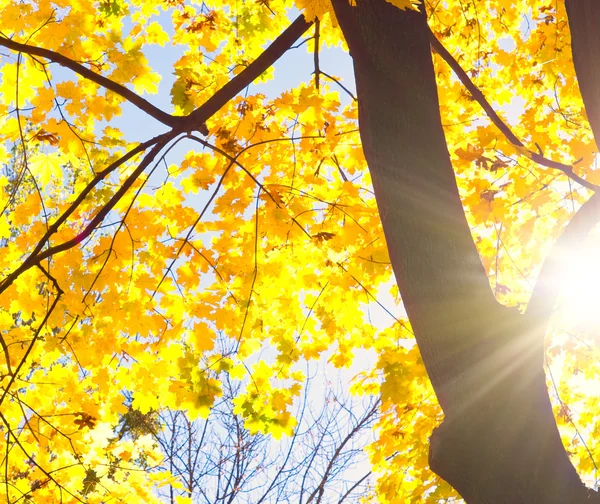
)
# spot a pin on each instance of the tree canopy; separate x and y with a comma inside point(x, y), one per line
point(157, 280)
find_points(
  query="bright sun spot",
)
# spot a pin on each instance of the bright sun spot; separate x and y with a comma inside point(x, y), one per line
point(579, 303)
point(578, 321)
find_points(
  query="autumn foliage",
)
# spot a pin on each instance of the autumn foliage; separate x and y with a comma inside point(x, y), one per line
point(242, 240)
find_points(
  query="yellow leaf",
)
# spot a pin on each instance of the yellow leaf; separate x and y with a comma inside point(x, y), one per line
point(4, 227)
point(155, 34)
point(204, 337)
point(45, 167)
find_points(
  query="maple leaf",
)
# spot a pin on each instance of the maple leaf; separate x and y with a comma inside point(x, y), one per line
point(85, 420)
point(184, 277)
point(323, 236)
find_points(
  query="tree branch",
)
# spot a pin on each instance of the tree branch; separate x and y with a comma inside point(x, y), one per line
point(195, 120)
point(316, 53)
point(37, 256)
point(85, 72)
point(269, 56)
point(498, 122)
point(33, 257)
point(103, 212)
point(35, 337)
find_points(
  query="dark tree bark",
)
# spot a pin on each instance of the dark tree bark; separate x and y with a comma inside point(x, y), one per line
point(584, 22)
point(499, 442)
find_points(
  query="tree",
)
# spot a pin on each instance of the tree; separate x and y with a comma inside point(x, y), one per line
point(116, 279)
point(498, 441)
point(218, 460)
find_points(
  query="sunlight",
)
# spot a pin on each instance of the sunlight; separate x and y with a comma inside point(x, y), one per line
point(579, 304)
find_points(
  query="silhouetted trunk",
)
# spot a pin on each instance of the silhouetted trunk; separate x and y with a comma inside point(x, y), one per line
point(499, 442)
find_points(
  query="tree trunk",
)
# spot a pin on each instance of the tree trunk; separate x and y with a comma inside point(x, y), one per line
point(584, 22)
point(499, 442)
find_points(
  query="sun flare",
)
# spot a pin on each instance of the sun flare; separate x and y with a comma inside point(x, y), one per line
point(579, 303)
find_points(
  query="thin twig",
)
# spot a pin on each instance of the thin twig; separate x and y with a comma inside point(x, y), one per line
point(337, 81)
point(316, 53)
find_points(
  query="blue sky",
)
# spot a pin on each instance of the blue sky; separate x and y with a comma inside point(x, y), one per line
point(294, 67)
